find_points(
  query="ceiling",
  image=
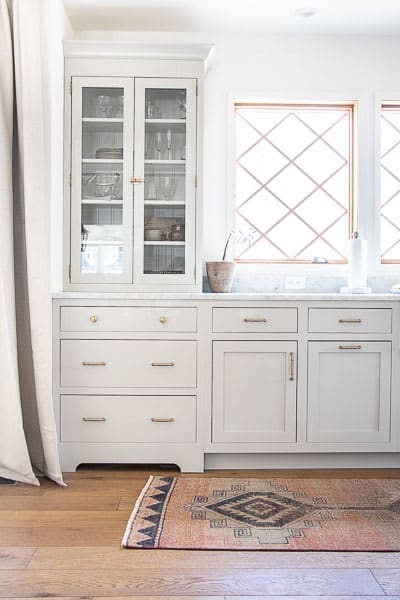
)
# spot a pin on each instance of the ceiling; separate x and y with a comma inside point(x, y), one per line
point(364, 17)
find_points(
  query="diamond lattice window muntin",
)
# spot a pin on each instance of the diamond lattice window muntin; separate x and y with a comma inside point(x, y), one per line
point(390, 183)
point(293, 182)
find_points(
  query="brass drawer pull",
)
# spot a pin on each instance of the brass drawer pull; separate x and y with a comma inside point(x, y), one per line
point(136, 180)
point(350, 321)
point(93, 319)
point(163, 319)
point(355, 347)
point(248, 320)
point(89, 363)
point(162, 419)
point(94, 419)
point(162, 364)
point(291, 367)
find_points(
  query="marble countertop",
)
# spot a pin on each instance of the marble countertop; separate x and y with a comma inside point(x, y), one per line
point(224, 297)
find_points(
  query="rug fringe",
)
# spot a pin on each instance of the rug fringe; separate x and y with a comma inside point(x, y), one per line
point(134, 512)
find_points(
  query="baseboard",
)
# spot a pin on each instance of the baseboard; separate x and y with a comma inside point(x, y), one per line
point(303, 461)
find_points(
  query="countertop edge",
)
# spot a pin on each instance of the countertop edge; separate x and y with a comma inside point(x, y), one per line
point(227, 297)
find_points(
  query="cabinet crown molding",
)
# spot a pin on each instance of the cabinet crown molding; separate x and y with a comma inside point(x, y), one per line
point(142, 50)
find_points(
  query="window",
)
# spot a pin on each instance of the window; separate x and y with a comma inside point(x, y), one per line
point(390, 183)
point(293, 182)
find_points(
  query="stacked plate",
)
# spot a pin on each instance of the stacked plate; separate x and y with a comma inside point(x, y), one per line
point(109, 153)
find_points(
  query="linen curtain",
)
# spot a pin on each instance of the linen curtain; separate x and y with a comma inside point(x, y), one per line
point(28, 440)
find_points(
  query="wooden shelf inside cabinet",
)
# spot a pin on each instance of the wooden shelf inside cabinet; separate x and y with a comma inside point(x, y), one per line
point(166, 121)
point(164, 243)
point(155, 161)
point(164, 203)
point(101, 201)
point(102, 161)
point(102, 120)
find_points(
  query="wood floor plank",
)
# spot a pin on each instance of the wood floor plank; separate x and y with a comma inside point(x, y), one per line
point(15, 558)
point(121, 558)
point(313, 598)
point(69, 535)
point(60, 502)
point(388, 579)
point(60, 518)
point(190, 582)
point(158, 598)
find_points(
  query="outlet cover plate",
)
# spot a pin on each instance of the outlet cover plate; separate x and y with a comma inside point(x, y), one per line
point(295, 283)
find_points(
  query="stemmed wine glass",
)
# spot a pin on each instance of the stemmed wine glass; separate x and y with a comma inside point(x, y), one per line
point(169, 143)
point(158, 145)
point(103, 106)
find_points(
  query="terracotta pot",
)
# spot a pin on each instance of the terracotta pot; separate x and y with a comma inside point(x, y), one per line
point(220, 275)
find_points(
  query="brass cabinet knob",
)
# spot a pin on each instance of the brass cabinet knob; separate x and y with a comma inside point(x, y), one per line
point(93, 319)
point(163, 319)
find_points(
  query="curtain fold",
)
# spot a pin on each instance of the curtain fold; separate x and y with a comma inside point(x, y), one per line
point(27, 426)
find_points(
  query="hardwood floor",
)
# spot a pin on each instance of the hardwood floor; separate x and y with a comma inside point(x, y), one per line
point(65, 543)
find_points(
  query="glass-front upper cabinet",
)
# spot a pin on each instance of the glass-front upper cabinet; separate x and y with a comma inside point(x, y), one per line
point(133, 165)
point(101, 194)
point(165, 160)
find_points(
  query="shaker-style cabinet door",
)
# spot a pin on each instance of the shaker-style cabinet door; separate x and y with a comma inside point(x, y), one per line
point(349, 392)
point(165, 181)
point(254, 391)
point(101, 212)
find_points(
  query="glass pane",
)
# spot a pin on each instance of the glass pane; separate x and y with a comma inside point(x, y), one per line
point(390, 184)
point(169, 260)
point(165, 181)
point(102, 246)
point(165, 103)
point(292, 182)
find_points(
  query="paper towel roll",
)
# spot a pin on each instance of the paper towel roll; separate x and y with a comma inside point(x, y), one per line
point(357, 263)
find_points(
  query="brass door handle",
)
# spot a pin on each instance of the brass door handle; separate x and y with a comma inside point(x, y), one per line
point(249, 320)
point(163, 319)
point(94, 419)
point(93, 319)
point(291, 366)
point(162, 419)
point(136, 180)
point(162, 364)
point(350, 321)
point(351, 347)
point(89, 363)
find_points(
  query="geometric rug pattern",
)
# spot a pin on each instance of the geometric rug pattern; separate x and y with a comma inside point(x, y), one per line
point(270, 514)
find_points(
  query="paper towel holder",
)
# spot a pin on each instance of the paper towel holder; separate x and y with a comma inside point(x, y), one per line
point(357, 264)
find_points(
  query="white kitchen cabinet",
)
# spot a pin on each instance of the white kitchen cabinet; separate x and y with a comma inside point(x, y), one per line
point(349, 391)
point(254, 391)
point(132, 169)
point(185, 379)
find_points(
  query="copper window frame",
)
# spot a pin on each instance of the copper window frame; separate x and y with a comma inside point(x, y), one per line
point(352, 209)
point(392, 105)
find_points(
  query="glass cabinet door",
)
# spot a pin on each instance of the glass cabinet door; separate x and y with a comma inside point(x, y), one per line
point(164, 180)
point(101, 193)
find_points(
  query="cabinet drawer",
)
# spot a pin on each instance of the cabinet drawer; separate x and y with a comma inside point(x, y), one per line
point(254, 320)
point(128, 363)
point(350, 320)
point(155, 419)
point(128, 318)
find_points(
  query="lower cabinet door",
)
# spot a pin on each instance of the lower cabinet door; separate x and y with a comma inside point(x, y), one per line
point(140, 419)
point(349, 391)
point(254, 391)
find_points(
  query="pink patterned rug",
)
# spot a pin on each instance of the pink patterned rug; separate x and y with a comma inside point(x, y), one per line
point(266, 514)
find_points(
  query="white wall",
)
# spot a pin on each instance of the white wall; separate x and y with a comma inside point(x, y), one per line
point(307, 68)
point(286, 67)
point(55, 26)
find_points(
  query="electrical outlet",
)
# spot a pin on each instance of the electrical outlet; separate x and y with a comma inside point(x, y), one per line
point(295, 283)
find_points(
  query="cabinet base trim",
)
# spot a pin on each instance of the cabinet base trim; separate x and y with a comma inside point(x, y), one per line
point(302, 461)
